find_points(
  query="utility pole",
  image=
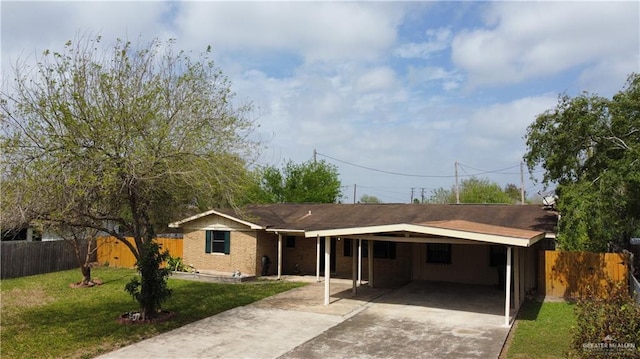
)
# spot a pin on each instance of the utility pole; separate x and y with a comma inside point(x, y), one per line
point(354, 193)
point(315, 154)
point(422, 194)
point(522, 182)
point(411, 195)
point(457, 187)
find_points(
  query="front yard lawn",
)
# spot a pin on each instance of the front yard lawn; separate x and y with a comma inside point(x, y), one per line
point(542, 330)
point(42, 317)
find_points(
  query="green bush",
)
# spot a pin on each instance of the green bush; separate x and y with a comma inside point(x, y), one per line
point(150, 290)
point(607, 326)
point(176, 264)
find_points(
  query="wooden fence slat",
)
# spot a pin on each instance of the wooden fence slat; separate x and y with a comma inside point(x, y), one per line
point(116, 254)
point(569, 274)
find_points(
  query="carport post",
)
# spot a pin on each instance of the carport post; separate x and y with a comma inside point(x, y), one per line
point(327, 268)
point(507, 304)
point(354, 266)
point(370, 261)
point(516, 279)
point(318, 258)
point(359, 261)
point(279, 255)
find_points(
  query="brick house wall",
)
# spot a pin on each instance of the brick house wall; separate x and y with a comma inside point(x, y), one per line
point(385, 270)
point(267, 244)
point(242, 251)
point(469, 264)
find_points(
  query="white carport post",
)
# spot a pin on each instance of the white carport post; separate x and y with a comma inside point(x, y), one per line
point(279, 255)
point(516, 279)
point(318, 258)
point(354, 267)
point(327, 269)
point(359, 261)
point(370, 261)
point(523, 279)
point(507, 298)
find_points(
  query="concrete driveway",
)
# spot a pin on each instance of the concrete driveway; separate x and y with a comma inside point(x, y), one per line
point(420, 320)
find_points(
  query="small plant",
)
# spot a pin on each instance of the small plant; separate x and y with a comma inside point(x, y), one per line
point(176, 264)
point(153, 290)
point(607, 325)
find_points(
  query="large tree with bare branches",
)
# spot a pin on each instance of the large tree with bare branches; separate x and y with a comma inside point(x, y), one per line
point(121, 139)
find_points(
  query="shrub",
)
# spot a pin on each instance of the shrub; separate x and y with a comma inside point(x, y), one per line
point(153, 290)
point(176, 264)
point(607, 326)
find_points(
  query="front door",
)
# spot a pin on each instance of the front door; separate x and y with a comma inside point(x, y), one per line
point(333, 255)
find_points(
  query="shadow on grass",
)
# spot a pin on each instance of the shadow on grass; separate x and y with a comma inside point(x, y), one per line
point(530, 309)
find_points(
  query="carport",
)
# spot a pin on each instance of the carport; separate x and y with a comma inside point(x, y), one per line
point(458, 232)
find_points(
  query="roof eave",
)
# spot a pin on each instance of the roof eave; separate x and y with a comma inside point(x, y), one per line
point(180, 223)
point(285, 230)
point(427, 230)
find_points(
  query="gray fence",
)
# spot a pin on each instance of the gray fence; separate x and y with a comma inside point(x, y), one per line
point(20, 258)
point(635, 287)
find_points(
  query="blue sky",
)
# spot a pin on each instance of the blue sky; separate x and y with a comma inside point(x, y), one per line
point(404, 87)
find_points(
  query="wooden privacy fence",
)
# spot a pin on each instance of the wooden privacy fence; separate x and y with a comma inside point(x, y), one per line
point(114, 253)
point(571, 274)
point(21, 258)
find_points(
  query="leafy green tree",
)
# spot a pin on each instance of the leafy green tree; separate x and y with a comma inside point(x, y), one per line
point(308, 182)
point(513, 192)
point(133, 136)
point(472, 190)
point(589, 146)
point(365, 198)
point(442, 196)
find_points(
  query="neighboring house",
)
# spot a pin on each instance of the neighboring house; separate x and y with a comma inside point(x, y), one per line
point(398, 242)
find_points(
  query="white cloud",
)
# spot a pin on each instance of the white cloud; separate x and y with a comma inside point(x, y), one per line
point(332, 76)
point(317, 31)
point(377, 79)
point(439, 39)
point(528, 40)
point(32, 27)
point(449, 80)
point(497, 131)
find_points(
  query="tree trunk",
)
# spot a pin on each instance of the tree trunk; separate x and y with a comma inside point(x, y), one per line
point(86, 274)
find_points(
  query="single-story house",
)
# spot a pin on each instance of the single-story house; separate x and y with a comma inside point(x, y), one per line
point(380, 243)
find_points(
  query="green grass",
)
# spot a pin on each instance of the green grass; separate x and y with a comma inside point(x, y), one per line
point(543, 330)
point(42, 317)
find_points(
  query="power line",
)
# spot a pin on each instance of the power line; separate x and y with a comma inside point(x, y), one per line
point(482, 172)
point(382, 171)
point(499, 171)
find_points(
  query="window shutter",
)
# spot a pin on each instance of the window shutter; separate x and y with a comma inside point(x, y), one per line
point(208, 238)
point(227, 242)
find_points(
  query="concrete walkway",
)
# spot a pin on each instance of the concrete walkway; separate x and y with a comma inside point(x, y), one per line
point(265, 329)
point(420, 320)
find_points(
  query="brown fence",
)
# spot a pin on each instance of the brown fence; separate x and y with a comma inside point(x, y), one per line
point(570, 274)
point(21, 258)
point(114, 253)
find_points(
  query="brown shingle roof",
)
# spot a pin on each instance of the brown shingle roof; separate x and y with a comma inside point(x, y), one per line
point(466, 226)
point(312, 217)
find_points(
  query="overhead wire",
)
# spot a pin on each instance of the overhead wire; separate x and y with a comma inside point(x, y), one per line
point(383, 171)
point(482, 172)
point(498, 171)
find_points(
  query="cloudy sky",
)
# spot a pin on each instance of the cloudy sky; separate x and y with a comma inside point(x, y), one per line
point(392, 93)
